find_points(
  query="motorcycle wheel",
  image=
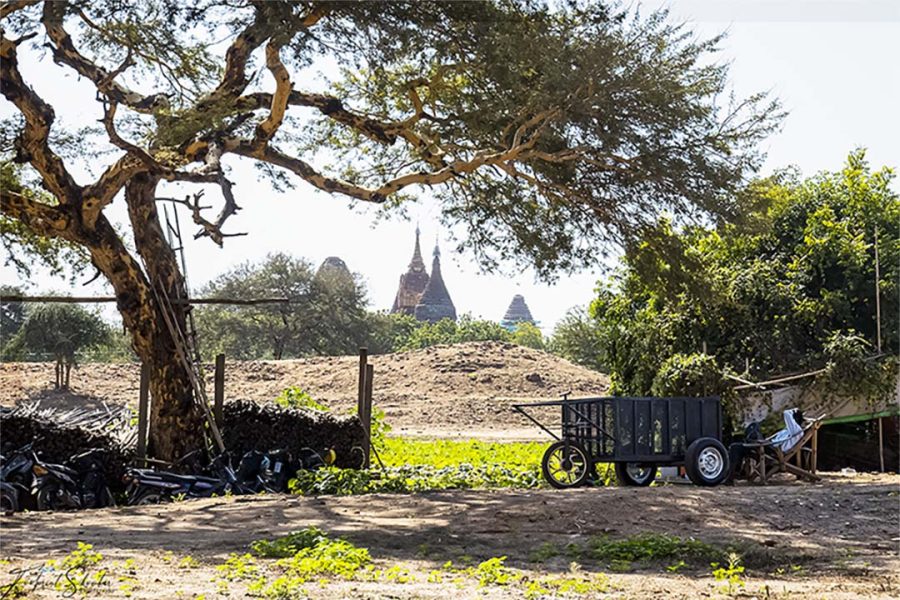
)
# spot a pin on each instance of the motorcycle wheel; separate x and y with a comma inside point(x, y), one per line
point(48, 497)
point(146, 497)
point(105, 498)
point(9, 498)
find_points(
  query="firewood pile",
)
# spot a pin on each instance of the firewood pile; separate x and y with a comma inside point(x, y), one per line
point(252, 426)
point(59, 434)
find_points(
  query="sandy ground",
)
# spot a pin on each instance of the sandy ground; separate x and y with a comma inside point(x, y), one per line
point(836, 539)
point(464, 390)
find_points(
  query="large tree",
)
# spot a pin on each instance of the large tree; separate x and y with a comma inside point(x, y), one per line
point(547, 132)
point(325, 313)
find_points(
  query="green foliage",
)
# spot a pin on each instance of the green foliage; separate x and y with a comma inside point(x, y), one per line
point(528, 334)
point(421, 465)
point(56, 330)
point(732, 575)
point(12, 314)
point(649, 547)
point(768, 291)
point(23, 247)
point(295, 397)
point(850, 369)
point(575, 583)
point(325, 314)
point(288, 545)
point(308, 554)
point(410, 479)
point(689, 375)
point(445, 331)
point(238, 567)
point(579, 338)
point(440, 453)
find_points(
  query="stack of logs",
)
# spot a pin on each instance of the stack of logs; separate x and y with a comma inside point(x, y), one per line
point(251, 426)
point(57, 435)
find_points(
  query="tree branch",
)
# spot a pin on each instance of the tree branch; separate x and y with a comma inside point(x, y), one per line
point(64, 52)
point(11, 6)
point(32, 144)
point(267, 129)
point(42, 219)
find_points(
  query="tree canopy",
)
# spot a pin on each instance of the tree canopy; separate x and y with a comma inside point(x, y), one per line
point(582, 118)
point(790, 287)
point(52, 331)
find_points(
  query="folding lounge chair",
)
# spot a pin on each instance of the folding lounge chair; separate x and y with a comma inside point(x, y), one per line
point(768, 457)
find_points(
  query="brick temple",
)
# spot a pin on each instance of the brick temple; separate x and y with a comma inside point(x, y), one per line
point(421, 295)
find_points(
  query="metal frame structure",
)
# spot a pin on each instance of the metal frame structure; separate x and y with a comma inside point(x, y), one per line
point(633, 429)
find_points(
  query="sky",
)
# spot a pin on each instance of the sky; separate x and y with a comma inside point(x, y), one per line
point(832, 63)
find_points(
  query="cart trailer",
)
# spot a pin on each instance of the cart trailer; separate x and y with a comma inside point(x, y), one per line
point(637, 435)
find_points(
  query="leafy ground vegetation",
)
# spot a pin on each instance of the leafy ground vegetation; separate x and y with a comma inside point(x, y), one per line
point(414, 465)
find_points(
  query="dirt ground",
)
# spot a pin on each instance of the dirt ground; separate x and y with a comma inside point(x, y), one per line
point(448, 391)
point(837, 539)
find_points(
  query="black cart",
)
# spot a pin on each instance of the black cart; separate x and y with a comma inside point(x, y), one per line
point(637, 435)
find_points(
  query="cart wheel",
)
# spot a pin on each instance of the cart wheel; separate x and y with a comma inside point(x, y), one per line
point(706, 462)
point(635, 474)
point(565, 465)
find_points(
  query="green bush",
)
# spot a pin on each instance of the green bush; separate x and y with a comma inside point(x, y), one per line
point(689, 375)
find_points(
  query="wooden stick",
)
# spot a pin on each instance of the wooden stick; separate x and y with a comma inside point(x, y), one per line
point(881, 442)
point(90, 299)
point(143, 411)
point(219, 389)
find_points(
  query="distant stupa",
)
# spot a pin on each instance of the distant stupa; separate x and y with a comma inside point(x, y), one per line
point(435, 303)
point(412, 283)
point(333, 266)
point(517, 313)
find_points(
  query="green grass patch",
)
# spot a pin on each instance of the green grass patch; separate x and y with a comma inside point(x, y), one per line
point(650, 547)
point(415, 465)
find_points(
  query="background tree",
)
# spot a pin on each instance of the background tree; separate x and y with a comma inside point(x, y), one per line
point(528, 334)
point(12, 314)
point(578, 338)
point(544, 131)
point(57, 331)
point(789, 288)
point(325, 313)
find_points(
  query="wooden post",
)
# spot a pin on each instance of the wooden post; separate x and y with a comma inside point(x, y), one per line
point(219, 389)
point(143, 411)
point(815, 449)
point(367, 415)
point(881, 442)
point(361, 402)
point(877, 302)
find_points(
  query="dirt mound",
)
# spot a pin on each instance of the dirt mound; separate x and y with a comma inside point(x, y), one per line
point(462, 388)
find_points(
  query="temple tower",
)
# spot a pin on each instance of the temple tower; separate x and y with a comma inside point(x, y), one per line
point(517, 312)
point(435, 303)
point(412, 283)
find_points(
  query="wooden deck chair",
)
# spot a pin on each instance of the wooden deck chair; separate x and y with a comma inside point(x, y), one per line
point(765, 459)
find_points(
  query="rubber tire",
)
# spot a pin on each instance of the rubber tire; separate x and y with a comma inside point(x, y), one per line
point(148, 497)
point(9, 498)
point(692, 464)
point(105, 498)
point(624, 478)
point(43, 496)
point(580, 480)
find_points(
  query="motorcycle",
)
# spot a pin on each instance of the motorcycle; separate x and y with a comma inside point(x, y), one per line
point(16, 478)
point(148, 486)
point(80, 483)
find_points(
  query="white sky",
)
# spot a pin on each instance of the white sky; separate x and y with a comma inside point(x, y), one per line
point(834, 64)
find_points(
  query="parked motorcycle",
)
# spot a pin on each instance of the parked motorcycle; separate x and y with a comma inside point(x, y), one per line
point(16, 479)
point(80, 483)
point(149, 486)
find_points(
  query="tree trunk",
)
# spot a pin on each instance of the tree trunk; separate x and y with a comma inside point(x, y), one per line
point(176, 423)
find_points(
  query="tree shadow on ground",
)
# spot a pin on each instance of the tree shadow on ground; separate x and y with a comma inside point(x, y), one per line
point(776, 524)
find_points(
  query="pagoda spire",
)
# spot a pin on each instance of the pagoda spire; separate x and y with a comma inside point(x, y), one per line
point(435, 303)
point(417, 264)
